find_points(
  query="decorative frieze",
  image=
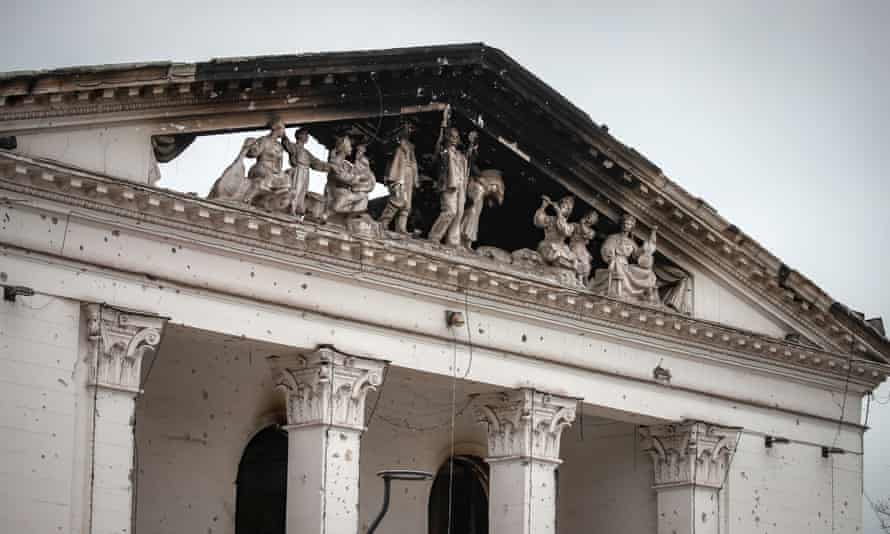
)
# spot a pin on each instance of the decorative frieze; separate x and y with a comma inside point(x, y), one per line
point(524, 423)
point(326, 387)
point(120, 339)
point(689, 453)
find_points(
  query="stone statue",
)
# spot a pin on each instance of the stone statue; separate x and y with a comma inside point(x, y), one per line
point(557, 228)
point(454, 171)
point(582, 235)
point(301, 160)
point(267, 174)
point(266, 185)
point(629, 274)
point(401, 178)
point(348, 185)
point(233, 185)
point(485, 187)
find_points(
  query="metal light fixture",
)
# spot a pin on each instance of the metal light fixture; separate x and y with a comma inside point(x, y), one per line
point(827, 451)
point(11, 292)
point(769, 440)
point(388, 475)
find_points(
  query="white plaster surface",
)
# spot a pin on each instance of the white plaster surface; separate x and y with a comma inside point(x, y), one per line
point(716, 302)
point(120, 151)
point(44, 417)
point(605, 481)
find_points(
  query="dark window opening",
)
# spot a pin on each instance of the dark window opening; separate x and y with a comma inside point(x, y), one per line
point(469, 505)
point(261, 498)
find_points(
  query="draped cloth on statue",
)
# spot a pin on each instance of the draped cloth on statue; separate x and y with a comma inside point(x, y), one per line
point(675, 286)
point(402, 170)
point(622, 278)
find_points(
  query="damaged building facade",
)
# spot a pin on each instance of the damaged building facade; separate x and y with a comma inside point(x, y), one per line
point(532, 321)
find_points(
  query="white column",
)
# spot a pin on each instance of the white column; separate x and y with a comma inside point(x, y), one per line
point(119, 339)
point(690, 461)
point(326, 393)
point(524, 428)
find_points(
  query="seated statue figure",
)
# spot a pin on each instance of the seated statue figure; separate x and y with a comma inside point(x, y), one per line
point(266, 185)
point(629, 274)
point(349, 184)
point(557, 228)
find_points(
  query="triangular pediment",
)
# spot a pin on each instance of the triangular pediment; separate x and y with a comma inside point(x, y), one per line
point(541, 144)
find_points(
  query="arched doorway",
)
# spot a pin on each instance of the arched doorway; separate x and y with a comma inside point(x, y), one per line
point(469, 491)
point(261, 498)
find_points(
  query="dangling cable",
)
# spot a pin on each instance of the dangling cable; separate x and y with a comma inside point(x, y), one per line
point(453, 417)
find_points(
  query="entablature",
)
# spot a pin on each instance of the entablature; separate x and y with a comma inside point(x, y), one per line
point(420, 263)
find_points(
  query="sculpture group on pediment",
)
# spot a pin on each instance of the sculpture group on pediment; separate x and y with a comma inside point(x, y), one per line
point(267, 185)
point(629, 270)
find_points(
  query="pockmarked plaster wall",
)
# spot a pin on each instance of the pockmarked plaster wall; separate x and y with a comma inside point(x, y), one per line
point(791, 488)
point(605, 480)
point(45, 417)
point(205, 397)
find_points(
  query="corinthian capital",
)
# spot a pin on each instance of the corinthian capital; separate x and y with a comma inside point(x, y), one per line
point(691, 452)
point(524, 423)
point(326, 387)
point(119, 339)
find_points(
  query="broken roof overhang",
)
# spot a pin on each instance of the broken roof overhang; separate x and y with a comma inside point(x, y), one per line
point(641, 183)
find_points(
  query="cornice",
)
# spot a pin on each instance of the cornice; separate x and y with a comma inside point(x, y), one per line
point(416, 261)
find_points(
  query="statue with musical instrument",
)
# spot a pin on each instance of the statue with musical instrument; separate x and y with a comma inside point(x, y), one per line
point(630, 274)
point(553, 217)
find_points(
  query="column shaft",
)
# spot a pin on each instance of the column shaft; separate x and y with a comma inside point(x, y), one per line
point(112, 485)
point(523, 495)
point(524, 428)
point(322, 482)
point(326, 393)
point(119, 340)
point(690, 461)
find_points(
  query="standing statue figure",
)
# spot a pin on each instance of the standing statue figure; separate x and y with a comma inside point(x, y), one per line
point(301, 160)
point(557, 228)
point(453, 174)
point(624, 279)
point(485, 187)
point(348, 185)
point(582, 235)
point(401, 178)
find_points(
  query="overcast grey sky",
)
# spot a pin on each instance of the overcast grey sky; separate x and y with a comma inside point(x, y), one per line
point(776, 113)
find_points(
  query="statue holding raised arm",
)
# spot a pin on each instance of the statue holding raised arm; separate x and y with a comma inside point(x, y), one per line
point(301, 160)
point(454, 169)
point(553, 217)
